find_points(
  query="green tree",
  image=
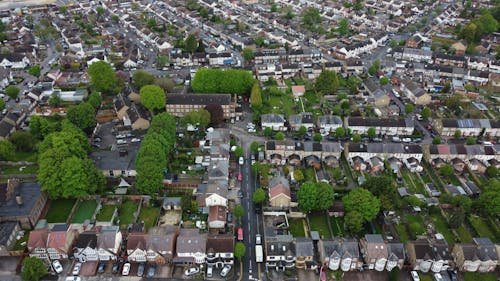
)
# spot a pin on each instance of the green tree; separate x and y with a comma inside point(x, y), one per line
point(7, 150)
point(327, 82)
point(298, 175)
point(354, 221)
point(307, 197)
point(100, 10)
point(302, 131)
point(239, 250)
point(239, 152)
point(115, 18)
point(489, 198)
point(447, 170)
point(268, 132)
point(324, 196)
point(446, 88)
point(233, 81)
point(40, 127)
point(393, 43)
point(372, 70)
point(103, 78)
point(426, 113)
point(82, 115)
point(247, 54)
point(259, 196)
point(55, 100)
point(191, 43)
point(339, 132)
point(12, 91)
point(436, 141)
point(457, 218)
point(356, 138)
point(2, 104)
point(238, 211)
point(458, 134)
point(384, 81)
point(22, 140)
point(95, 100)
point(166, 84)
point(470, 141)
point(200, 118)
point(409, 108)
point(35, 71)
point(33, 269)
point(337, 174)
point(279, 136)
point(492, 171)
point(142, 78)
point(317, 137)
point(151, 23)
point(311, 18)
point(362, 201)
point(371, 132)
point(152, 97)
point(343, 26)
point(254, 147)
point(274, 8)
point(201, 46)
point(255, 96)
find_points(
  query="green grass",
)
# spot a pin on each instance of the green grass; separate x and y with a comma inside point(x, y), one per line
point(318, 223)
point(296, 227)
point(59, 210)
point(464, 234)
point(474, 276)
point(442, 227)
point(454, 180)
point(106, 213)
point(126, 213)
point(481, 227)
point(425, 277)
point(309, 174)
point(274, 101)
point(18, 246)
point(337, 226)
point(25, 156)
point(84, 211)
point(149, 216)
point(402, 233)
point(10, 170)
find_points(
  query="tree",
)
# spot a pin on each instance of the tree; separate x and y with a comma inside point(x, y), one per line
point(239, 211)
point(436, 141)
point(259, 196)
point(279, 136)
point(115, 18)
point(371, 132)
point(490, 197)
point(327, 82)
point(307, 197)
point(268, 132)
point(393, 43)
point(317, 137)
point(254, 147)
point(426, 113)
point(152, 97)
point(311, 18)
point(337, 174)
point(298, 175)
point(166, 84)
point(354, 221)
point(33, 269)
point(492, 171)
point(447, 170)
point(35, 71)
point(343, 26)
point(457, 218)
point(7, 150)
point(12, 91)
point(409, 108)
point(100, 10)
point(463, 202)
point(470, 140)
point(95, 100)
point(22, 140)
point(384, 81)
point(103, 78)
point(40, 127)
point(199, 118)
point(255, 96)
point(151, 23)
point(247, 54)
point(2, 104)
point(362, 201)
point(232, 81)
point(446, 88)
point(82, 115)
point(274, 8)
point(339, 132)
point(324, 196)
point(356, 138)
point(302, 131)
point(142, 78)
point(372, 70)
point(191, 43)
point(238, 152)
point(239, 250)
point(55, 100)
point(216, 113)
point(201, 46)
point(458, 134)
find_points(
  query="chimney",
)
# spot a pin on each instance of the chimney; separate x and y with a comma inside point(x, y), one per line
point(12, 185)
point(19, 199)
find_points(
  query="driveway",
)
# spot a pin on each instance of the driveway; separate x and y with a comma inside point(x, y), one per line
point(307, 275)
point(369, 275)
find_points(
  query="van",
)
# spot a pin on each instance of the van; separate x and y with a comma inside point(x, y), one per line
point(209, 272)
point(438, 277)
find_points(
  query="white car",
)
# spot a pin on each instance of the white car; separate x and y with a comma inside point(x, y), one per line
point(251, 130)
point(76, 268)
point(135, 140)
point(126, 269)
point(258, 239)
point(73, 278)
point(191, 271)
point(241, 161)
point(414, 276)
point(121, 142)
point(57, 266)
point(225, 270)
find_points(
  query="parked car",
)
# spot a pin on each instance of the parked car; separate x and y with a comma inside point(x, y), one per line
point(73, 278)
point(209, 272)
point(258, 239)
point(101, 267)
point(116, 267)
point(126, 269)
point(225, 270)
point(240, 194)
point(140, 269)
point(414, 276)
point(240, 234)
point(241, 160)
point(57, 266)
point(121, 142)
point(152, 270)
point(191, 271)
point(135, 140)
point(240, 176)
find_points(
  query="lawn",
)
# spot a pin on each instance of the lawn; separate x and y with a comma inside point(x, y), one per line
point(126, 213)
point(464, 234)
point(149, 216)
point(402, 233)
point(474, 276)
point(106, 213)
point(318, 222)
point(425, 277)
point(296, 227)
point(24, 156)
point(9, 170)
point(413, 182)
point(442, 227)
point(59, 210)
point(481, 227)
point(84, 211)
point(337, 226)
point(309, 174)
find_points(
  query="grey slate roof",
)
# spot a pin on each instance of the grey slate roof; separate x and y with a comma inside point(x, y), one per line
point(30, 192)
point(111, 160)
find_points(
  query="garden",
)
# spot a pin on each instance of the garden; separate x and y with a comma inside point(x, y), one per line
point(296, 227)
point(85, 211)
point(126, 213)
point(318, 222)
point(59, 210)
point(106, 213)
point(149, 215)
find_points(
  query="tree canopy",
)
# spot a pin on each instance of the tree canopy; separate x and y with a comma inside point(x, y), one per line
point(95, 100)
point(362, 201)
point(327, 82)
point(153, 97)
point(259, 196)
point(82, 116)
point(247, 54)
point(239, 211)
point(490, 198)
point(35, 70)
point(239, 250)
point(142, 78)
point(200, 118)
point(232, 81)
point(311, 18)
point(12, 91)
point(315, 196)
point(7, 150)
point(33, 269)
point(103, 78)
point(22, 140)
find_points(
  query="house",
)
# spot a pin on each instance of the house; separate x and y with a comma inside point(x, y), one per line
point(14, 61)
point(304, 253)
point(298, 90)
point(85, 248)
point(109, 242)
point(137, 118)
point(72, 96)
point(367, 153)
point(415, 93)
point(396, 257)
point(383, 126)
point(160, 244)
point(305, 119)
point(466, 127)
point(280, 254)
point(481, 255)
point(60, 241)
point(273, 121)
point(121, 104)
point(374, 251)
point(115, 163)
point(340, 253)
point(432, 190)
point(279, 192)
point(37, 243)
point(181, 104)
point(137, 246)
point(5, 77)
point(6, 129)
point(190, 247)
point(8, 233)
point(220, 250)
point(217, 216)
point(22, 202)
point(426, 255)
point(329, 123)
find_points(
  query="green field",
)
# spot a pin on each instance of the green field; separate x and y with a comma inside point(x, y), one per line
point(318, 223)
point(12, 170)
point(475, 276)
point(106, 213)
point(337, 226)
point(126, 213)
point(84, 211)
point(481, 228)
point(149, 215)
point(59, 210)
point(442, 227)
point(464, 234)
point(296, 227)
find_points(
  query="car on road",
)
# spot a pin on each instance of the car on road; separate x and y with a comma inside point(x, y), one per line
point(76, 268)
point(101, 267)
point(191, 271)
point(152, 270)
point(126, 269)
point(251, 130)
point(241, 160)
point(240, 234)
point(240, 176)
point(140, 269)
point(225, 271)
point(240, 194)
point(253, 159)
point(121, 142)
point(414, 276)
point(57, 266)
point(258, 239)
point(116, 267)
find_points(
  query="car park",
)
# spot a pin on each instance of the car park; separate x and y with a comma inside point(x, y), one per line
point(57, 266)
point(126, 269)
point(191, 271)
point(225, 271)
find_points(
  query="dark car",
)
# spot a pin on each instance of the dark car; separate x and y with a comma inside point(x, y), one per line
point(101, 267)
point(152, 270)
point(116, 267)
point(140, 270)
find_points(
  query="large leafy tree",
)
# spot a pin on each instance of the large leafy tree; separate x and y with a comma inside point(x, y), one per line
point(343, 26)
point(2, 104)
point(490, 198)
point(166, 84)
point(239, 250)
point(12, 91)
point(200, 117)
point(362, 201)
point(103, 78)
point(259, 196)
point(95, 100)
point(82, 116)
point(191, 43)
point(22, 140)
point(311, 18)
point(33, 269)
point(254, 147)
point(324, 196)
point(327, 82)
point(239, 211)
point(34, 71)
point(142, 78)
point(306, 197)
point(152, 97)
point(7, 150)
point(354, 221)
point(232, 81)
point(247, 54)
point(40, 127)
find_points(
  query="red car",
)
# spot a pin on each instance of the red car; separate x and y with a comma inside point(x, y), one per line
point(240, 176)
point(240, 234)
